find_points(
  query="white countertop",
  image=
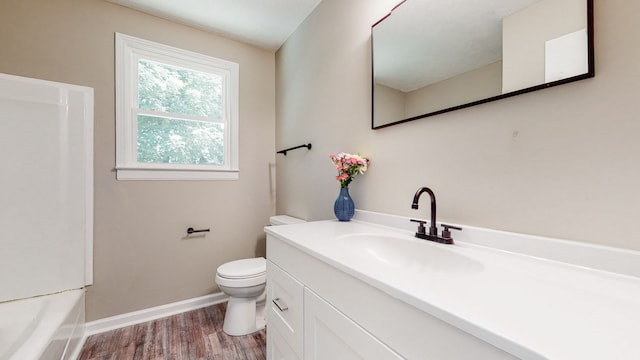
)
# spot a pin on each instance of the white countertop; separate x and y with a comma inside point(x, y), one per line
point(531, 307)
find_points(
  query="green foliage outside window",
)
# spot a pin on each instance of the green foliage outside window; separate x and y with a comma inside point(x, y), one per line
point(162, 140)
point(178, 91)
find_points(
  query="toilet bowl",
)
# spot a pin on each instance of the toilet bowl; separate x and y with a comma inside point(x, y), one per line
point(244, 281)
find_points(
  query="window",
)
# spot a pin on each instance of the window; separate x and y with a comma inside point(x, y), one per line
point(176, 113)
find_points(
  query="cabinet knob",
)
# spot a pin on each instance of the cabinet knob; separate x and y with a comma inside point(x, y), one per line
point(279, 305)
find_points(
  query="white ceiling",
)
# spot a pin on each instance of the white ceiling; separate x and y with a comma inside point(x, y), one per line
point(263, 23)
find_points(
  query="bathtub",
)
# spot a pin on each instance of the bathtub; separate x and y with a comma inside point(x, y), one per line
point(43, 327)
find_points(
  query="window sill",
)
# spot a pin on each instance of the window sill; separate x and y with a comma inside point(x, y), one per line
point(161, 174)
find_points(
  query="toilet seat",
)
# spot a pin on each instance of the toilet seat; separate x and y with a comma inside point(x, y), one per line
point(244, 268)
point(242, 273)
point(241, 283)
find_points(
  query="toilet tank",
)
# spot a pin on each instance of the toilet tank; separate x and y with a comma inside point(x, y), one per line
point(284, 220)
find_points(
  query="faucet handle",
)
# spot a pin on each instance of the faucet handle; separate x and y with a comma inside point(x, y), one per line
point(446, 234)
point(421, 228)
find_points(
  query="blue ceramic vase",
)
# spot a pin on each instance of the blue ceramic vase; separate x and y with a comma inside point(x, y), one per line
point(344, 207)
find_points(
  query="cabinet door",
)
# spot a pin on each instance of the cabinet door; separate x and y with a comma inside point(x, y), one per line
point(277, 347)
point(330, 335)
point(284, 307)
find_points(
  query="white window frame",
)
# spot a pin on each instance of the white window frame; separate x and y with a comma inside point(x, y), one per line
point(128, 51)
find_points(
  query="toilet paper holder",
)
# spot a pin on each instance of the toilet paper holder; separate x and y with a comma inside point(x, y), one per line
point(192, 230)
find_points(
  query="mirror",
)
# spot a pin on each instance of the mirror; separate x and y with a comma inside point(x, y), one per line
point(431, 57)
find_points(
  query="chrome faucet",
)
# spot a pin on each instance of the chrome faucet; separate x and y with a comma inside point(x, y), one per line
point(433, 230)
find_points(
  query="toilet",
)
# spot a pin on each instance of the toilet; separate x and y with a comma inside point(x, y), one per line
point(244, 281)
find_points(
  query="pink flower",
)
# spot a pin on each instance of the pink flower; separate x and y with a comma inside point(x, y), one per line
point(348, 167)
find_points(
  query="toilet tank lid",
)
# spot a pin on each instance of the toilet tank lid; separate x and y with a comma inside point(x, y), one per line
point(243, 268)
point(284, 220)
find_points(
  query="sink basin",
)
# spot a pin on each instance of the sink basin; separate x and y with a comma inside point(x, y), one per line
point(405, 253)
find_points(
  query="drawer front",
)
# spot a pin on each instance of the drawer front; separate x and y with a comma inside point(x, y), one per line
point(285, 306)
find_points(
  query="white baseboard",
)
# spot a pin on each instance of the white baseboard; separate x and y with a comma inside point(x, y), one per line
point(157, 312)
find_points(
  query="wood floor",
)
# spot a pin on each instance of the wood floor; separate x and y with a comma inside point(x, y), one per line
point(192, 335)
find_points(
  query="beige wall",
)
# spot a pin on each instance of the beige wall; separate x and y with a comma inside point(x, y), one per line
point(561, 162)
point(142, 257)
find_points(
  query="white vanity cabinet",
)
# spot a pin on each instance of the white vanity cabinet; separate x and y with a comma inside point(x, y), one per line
point(329, 334)
point(333, 315)
point(301, 325)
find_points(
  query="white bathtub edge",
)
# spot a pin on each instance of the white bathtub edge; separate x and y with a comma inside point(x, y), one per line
point(55, 317)
point(153, 313)
point(76, 339)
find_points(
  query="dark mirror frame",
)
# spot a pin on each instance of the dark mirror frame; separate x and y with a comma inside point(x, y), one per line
point(589, 74)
